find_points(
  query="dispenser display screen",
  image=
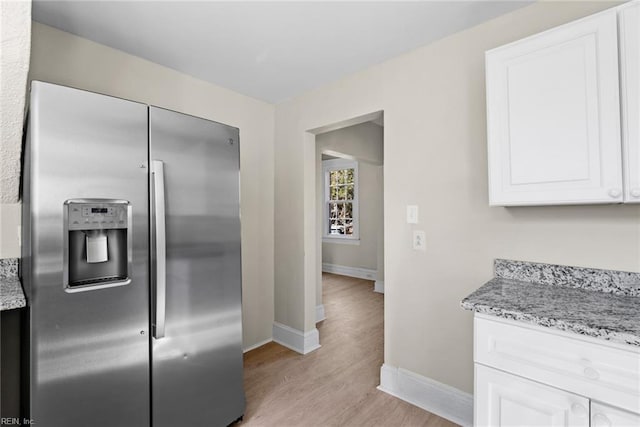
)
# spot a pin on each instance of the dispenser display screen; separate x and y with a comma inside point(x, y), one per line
point(97, 216)
point(91, 211)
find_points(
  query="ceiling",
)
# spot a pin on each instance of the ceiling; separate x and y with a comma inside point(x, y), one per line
point(267, 50)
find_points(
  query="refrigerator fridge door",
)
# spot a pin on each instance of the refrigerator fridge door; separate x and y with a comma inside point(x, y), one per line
point(89, 349)
point(197, 331)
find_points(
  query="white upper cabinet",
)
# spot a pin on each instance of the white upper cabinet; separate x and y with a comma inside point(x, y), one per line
point(630, 96)
point(608, 416)
point(553, 116)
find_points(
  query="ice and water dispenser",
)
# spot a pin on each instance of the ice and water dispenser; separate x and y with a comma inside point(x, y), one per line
point(97, 243)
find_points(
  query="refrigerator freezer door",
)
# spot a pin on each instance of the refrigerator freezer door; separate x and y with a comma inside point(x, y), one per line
point(197, 364)
point(89, 350)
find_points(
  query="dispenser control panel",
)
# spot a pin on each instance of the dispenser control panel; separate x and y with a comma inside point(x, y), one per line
point(97, 216)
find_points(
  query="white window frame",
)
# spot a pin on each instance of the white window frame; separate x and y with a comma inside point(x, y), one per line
point(327, 167)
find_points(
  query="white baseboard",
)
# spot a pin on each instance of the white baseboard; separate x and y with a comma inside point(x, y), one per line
point(440, 399)
point(360, 273)
point(259, 344)
point(320, 313)
point(301, 342)
point(378, 286)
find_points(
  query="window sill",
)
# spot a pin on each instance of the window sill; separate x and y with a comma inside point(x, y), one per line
point(341, 240)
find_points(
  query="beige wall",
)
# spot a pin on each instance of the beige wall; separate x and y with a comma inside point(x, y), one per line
point(10, 230)
point(362, 141)
point(63, 58)
point(434, 156)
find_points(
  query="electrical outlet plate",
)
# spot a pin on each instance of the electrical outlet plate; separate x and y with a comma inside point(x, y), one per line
point(419, 240)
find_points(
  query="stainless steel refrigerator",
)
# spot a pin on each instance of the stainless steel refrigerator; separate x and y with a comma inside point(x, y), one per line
point(131, 264)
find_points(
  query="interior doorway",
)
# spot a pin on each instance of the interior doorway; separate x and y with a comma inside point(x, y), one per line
point(350, 204)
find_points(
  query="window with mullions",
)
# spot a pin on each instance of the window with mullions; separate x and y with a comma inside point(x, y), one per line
point(341, 199)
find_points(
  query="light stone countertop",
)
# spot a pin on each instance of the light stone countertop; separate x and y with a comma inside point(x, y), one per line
point(602, 304)
point(11, 293)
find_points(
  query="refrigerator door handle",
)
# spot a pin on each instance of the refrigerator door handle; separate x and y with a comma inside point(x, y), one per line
point(159, 249)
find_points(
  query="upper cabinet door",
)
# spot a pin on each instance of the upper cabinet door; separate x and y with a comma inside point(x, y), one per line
point(607, 416)
point(630, 81)
point(553, 116)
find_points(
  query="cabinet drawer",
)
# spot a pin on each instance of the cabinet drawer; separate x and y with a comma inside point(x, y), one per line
point(605, 373)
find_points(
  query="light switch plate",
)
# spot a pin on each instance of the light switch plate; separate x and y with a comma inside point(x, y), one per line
point(412, 214)
point(418, 240)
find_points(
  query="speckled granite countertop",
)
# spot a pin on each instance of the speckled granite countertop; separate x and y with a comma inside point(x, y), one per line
point(602, 304)
point(11, 294)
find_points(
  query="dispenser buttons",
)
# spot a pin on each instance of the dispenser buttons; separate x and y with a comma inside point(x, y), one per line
point(97, 216)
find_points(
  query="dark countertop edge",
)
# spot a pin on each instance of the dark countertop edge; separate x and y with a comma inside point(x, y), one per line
point(15, 300)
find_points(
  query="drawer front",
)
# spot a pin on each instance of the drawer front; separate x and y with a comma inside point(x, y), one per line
point(607, 374)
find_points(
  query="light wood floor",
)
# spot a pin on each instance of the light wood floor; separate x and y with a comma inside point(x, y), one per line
point(336, 384)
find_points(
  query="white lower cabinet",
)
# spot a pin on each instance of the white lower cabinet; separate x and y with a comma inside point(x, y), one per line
point(508, 400)
point(528, 375)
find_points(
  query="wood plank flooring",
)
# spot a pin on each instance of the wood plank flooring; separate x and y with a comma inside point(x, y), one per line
point(336, 384)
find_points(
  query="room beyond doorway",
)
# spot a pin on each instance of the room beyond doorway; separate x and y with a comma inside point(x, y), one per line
point(350, 206)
